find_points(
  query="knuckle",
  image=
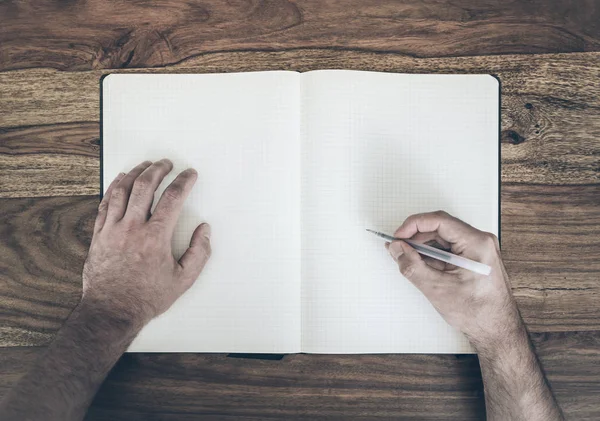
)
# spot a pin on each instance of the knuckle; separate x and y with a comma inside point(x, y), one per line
point(143, 182)
point(441, 214)
point(156, 228)
point(126, 225)
point(419, 218)
point(174, 192)
point(408, 270)
point(183, 274)
point(490, 240)
point(187, 279)
point(119, 192)
point(411, 219)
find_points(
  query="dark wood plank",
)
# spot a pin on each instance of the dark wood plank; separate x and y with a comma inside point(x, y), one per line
point(115, 34)
point(550, 247)
point(53, 160)
point(548, 241)
point(50, 147)
point(43, 244)
point(551, 83)
point(323, 387)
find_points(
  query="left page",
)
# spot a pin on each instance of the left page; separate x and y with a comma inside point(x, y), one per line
point(241, 133)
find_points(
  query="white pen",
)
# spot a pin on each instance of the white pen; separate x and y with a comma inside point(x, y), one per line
point(442, 255)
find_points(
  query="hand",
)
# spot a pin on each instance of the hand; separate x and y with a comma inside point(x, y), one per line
point(130, 270)
point(482, 307)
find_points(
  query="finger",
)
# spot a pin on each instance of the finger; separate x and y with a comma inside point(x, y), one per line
point(449, 228)
point(193, 260)
point(413, 267)
point(430, 237)
point(144, 187)
point(169, 206)
point(434, 263)
point(103, 206)
point(120, 194)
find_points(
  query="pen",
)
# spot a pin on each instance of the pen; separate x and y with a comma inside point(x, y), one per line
point(442, 255)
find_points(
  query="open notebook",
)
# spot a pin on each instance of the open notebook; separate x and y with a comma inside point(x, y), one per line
point(292, 169)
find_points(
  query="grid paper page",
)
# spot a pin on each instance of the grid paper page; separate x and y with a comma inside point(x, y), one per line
point(376, 148)
point(241, 133)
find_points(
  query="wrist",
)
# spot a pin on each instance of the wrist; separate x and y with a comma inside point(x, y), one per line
point(504, 348)
point(125, 308)
point(505, 330)
point(94, 317)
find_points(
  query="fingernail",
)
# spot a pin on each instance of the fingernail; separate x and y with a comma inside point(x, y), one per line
point(121, 175)
point(395, 250)
point(147, 163)
point(191, 171)
point(167, 161)
point(206, 230)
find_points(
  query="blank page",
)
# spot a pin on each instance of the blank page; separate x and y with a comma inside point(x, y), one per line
point(376, 148)
point(241, 133)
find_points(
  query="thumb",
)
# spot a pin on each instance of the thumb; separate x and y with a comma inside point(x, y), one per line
point(411, 264)
point(195, 257)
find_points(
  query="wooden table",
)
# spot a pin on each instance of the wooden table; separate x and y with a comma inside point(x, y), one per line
point(52, 54)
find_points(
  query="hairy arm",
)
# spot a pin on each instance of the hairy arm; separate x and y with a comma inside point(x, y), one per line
point(129, 277)
point(483, 308)
point(515, 386)
point(61, 385)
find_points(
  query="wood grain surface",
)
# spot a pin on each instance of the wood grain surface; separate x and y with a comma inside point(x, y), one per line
point(117, 34)
point(547, 57)
point(545, 99)
point(323, 387)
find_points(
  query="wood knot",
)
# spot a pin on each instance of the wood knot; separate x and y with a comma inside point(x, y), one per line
point(512, 137)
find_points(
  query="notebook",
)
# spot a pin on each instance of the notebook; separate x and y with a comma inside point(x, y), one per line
point(293, 167)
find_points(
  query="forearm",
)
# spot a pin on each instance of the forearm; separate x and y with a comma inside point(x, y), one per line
point(64, 381)
point(515, 386)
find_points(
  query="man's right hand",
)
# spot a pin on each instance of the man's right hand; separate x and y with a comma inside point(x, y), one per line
point(482, 307)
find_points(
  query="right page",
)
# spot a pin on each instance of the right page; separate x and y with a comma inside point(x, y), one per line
point(376, 148)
